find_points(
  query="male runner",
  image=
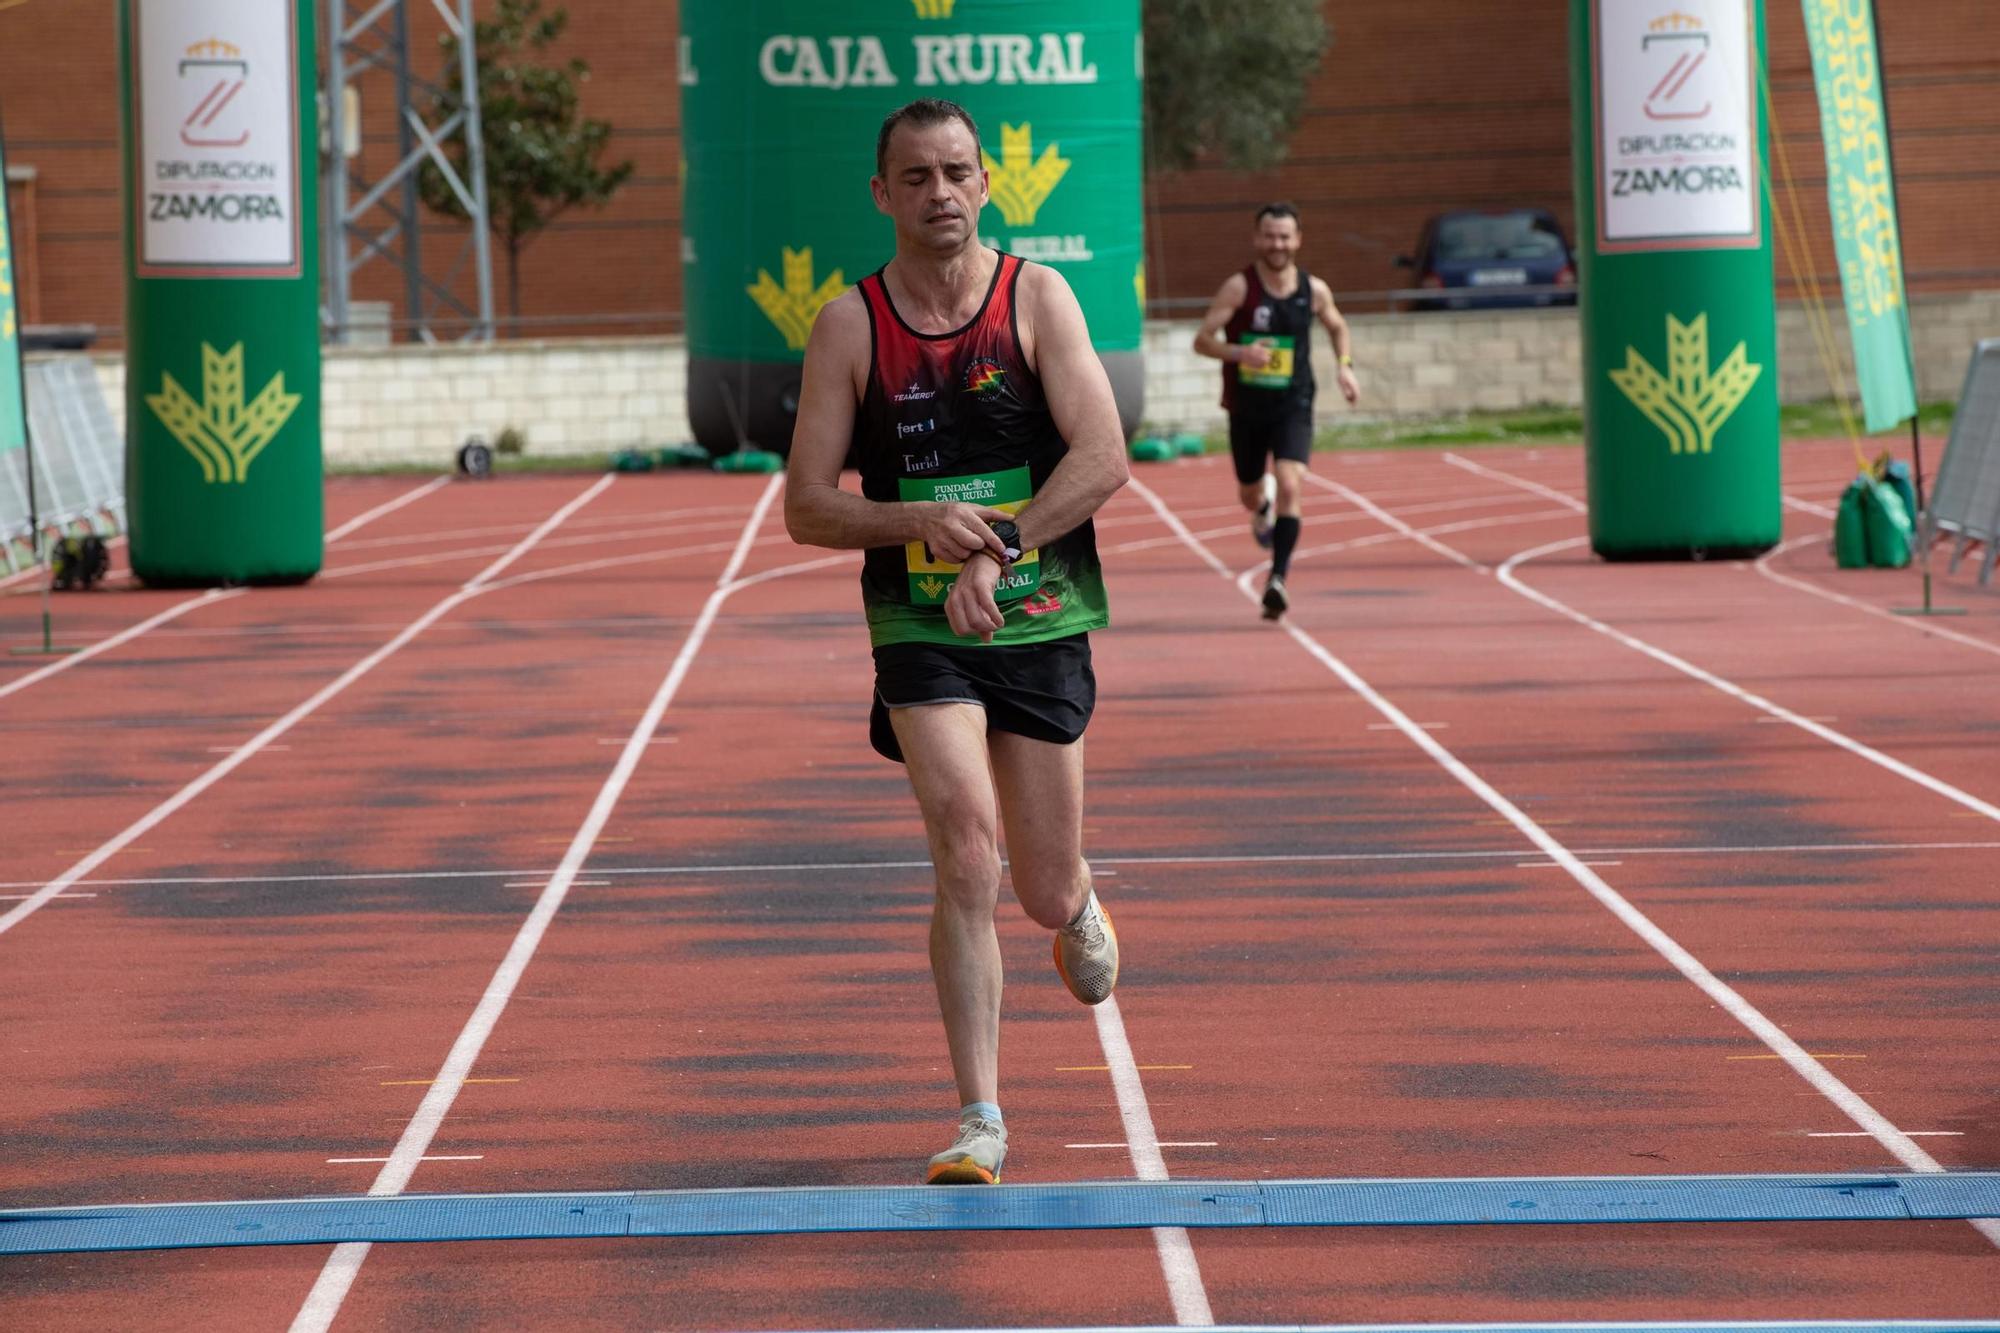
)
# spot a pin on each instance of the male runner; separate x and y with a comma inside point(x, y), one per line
point(1260, 327)
point(987, 436)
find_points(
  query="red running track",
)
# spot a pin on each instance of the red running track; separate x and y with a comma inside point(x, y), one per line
point(1340, 959)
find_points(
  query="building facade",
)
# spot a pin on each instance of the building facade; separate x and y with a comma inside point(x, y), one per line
point(1419, 107)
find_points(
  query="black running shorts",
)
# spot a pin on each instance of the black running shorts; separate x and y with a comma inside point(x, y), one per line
point(1044, 691)
point(1252, 440)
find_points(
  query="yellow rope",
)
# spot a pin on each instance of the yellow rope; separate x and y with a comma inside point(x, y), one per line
point(1794, 240)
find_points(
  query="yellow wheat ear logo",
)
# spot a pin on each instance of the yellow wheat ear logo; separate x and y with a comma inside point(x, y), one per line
point(224, 433)
point(933, 9)
point(1690, 403)
point(1021, 184)
point(795, 306)
point(932, 585)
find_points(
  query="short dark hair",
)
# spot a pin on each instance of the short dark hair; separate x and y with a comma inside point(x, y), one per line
point(920, 115)
point(1278, 209)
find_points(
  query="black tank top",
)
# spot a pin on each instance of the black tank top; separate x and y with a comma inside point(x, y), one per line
point(1284, 323)
point(961, 415)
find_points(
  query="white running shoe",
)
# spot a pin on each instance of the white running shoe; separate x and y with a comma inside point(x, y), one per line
point(1266, 517)
point(974, 1158)
point(1087, 953)
point(1276, 600)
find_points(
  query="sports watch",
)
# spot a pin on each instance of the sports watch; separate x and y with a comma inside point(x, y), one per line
point(1010, 537)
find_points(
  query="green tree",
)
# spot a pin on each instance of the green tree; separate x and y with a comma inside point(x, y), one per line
point(542, 156)
point(1226, 80)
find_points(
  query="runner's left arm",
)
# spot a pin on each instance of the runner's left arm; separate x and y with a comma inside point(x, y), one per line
point(1337, 331)
point(1085, 411)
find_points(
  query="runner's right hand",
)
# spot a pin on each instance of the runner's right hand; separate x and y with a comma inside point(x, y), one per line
point(954, 530)
point(1256, 356)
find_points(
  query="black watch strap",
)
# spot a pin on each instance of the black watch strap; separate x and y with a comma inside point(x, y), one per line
point(1010, 537)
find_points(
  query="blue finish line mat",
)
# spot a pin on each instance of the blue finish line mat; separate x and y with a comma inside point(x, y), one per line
point(1087, 1206)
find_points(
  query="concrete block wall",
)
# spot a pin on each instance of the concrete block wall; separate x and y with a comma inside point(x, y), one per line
point(415, 405)
point(1442, 363)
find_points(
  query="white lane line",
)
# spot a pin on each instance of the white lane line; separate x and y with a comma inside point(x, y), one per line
point(322, 1303)
point(455, 1157)
point(360, 521)
point(230, 763)
point(1563, 498)
point(1862, 1134)
point(1273, 858)
point(1368, 506)
point(208, 598)
point(584, 524)
point(1905, 1149)
point(1249, 576)
point(1763, 563)
point(124, 636)
point(60, 897)
point(1730, 688)
point(1184, 1285)
point(1917, 623)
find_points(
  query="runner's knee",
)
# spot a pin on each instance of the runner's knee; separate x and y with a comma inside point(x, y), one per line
point(1051, 888)
point(965, 856)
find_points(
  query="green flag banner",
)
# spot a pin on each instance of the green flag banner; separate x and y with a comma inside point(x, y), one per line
point(1861, 195)
point(13, 413)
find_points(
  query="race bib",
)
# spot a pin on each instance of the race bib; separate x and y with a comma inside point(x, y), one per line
point(930, 577)
point(1276, 375)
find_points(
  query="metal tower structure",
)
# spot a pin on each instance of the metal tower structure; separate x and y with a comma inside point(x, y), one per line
point(380, 217)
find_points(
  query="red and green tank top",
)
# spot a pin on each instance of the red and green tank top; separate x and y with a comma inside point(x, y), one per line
point(961, 416)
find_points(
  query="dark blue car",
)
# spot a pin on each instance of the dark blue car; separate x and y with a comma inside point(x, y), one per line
point(1464, 255)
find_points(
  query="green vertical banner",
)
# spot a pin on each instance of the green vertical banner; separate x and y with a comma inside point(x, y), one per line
point(1679, 325)
point(1861, 197)
point(13, 407)
point(222, 400)
point(780, 105)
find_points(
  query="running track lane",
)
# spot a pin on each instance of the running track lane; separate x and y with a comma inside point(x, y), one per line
point(1543, 1032)
point(306, 1013)
point(768, 1028)
point(1149, 797)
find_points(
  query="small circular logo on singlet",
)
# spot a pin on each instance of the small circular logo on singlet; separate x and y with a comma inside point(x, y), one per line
point(984, 376)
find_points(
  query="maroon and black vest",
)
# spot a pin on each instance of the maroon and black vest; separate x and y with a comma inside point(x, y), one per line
point(1286, 323)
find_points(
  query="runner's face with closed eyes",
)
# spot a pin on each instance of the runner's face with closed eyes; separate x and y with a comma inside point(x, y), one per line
point(935, 186)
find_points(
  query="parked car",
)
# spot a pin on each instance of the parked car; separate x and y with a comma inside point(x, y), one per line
point(1460, 254)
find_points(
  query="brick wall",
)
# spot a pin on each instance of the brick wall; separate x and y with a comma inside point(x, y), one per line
point(1421, 105)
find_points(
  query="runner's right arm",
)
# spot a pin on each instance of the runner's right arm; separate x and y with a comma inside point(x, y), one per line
point(1208, 338)
point(817, 511)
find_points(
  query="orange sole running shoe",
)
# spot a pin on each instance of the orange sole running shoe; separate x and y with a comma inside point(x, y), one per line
point(1087, 953)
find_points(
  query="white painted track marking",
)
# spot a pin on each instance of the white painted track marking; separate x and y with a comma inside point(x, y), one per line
point(1763, 563)
point(229, 764)
point(1851, 1104)
point(123, 636)
point(1184, 1286)
point(1737, 850)
point(1917, 623)
point(1828, 734)
point(323, 1302)
point(362, 520)
point(208, 598)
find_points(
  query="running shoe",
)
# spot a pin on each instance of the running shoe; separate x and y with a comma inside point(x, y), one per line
point(1266, 517)
point(1087, 953)
point(1276, 601)
point(974, 1158)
